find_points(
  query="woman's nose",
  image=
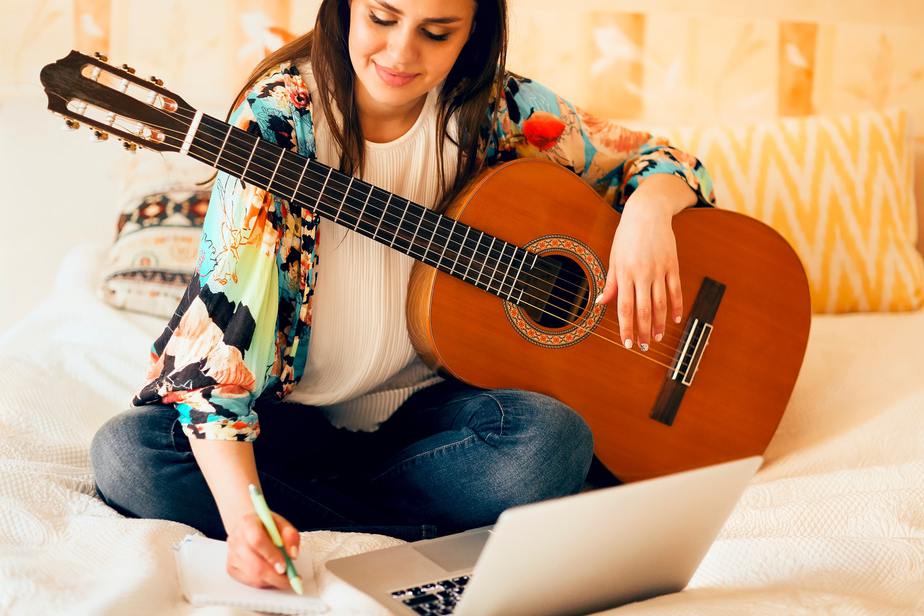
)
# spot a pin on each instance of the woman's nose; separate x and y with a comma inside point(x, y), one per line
point(402, 48)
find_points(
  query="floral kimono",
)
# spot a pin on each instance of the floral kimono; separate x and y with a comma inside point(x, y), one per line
point(243, 326)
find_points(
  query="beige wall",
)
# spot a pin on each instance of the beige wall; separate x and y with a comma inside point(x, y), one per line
point(643, 61)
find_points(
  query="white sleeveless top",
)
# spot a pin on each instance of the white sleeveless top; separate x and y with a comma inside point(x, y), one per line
point(361, 365)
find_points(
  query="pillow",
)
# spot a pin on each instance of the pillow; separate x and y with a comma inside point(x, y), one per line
point(839, 188)
point(154, 256)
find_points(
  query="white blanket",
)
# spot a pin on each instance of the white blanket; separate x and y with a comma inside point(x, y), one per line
point(833, 523)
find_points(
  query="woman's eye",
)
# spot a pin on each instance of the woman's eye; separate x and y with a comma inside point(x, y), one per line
point(378, 20)
point(384, 22)
point(435, 37)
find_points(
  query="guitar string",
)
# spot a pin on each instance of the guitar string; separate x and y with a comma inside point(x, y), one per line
point(669, 334)
point(655, 352)
point(669, 358)
point(280, 165)
point(320, 177)
point(642, 354)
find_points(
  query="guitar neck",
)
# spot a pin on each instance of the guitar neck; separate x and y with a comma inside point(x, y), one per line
point(475, 257)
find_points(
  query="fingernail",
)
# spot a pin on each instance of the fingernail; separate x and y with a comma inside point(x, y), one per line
point(677, 319)
point(280, 568)
point(643, 346)
point(658, 337)
point(599, 297)
point(628, 343)
point(293, 551)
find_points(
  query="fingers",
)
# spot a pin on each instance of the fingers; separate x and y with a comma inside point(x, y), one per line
point(609, 289)
point(643, 314)
point(625, 311)
point(675, 294)
point(290, 538)
point(253, 558)
point(250, 566)
point(658, 309)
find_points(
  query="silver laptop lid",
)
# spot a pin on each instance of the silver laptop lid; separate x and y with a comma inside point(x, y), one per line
point(606, 547)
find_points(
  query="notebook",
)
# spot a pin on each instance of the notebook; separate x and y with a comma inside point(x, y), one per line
point(204, 580)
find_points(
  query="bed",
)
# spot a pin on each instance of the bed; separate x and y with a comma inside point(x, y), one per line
point(833, 522)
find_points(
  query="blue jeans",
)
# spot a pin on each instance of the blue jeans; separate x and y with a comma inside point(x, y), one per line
point(451, 457)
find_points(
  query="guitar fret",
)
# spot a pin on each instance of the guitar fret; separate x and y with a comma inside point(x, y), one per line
point(487, 256)
point(363, 211)
point(255, 144)
point(500, 262)
point(513, 254)
point(222, 148)
point(446, 245)
point(416, 229)
point(299, 183)
point(269, 185)
point(459, 254)
point(317, 203)
point(472, 257)
point(343, 201)
point(398, 230)
point(517, 279)
point(436, 229)
point(382, 217)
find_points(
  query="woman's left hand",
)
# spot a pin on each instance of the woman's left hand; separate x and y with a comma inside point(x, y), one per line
point(643, 274)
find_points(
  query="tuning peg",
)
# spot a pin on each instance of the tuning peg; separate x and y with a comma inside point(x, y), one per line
point(100, 56)
point(156, 81)
point(127, 68)
point(128, 145)
point(100, 135)
point(71, 124)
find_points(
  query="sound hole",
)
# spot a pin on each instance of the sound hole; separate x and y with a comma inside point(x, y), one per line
point(558, 292)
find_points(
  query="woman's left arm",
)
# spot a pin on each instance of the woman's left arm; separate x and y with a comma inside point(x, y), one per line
point(642, 176)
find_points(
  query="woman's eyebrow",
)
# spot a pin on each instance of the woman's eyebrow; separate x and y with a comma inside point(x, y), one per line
point(429, 20)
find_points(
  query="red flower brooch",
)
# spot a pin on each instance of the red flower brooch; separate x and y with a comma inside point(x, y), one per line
point(543, 129)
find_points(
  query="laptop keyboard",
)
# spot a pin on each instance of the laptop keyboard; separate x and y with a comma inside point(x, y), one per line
point(433, 598)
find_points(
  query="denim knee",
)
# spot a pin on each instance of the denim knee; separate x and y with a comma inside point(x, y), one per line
point(550, 445)
point(128, 454)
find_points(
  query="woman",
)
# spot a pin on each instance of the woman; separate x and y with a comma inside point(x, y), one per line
point(407, 95)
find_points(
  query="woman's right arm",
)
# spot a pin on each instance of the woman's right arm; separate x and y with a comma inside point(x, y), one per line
point(228, 466)
point(218, 353)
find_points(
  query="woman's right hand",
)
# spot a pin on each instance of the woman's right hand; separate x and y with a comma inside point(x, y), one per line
point(252, 555)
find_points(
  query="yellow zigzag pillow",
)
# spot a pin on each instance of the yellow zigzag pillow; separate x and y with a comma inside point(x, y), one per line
point(838, 188)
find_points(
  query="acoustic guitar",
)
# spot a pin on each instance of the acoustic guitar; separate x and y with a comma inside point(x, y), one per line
point(501, 295)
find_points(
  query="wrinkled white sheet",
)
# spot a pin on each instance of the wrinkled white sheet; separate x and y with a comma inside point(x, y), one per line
point(832, 524)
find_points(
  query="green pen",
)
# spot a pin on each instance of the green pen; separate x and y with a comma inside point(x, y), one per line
point(259, 503)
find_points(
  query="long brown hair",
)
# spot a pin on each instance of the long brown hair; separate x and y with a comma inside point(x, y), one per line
point(475, 78)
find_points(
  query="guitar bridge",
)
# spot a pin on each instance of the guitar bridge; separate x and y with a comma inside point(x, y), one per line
point(689, 355)
point(694, 346)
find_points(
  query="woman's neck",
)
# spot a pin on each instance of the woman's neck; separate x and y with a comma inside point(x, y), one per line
point(384, 123)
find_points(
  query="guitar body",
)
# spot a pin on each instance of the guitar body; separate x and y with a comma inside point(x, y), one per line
point(745, 374)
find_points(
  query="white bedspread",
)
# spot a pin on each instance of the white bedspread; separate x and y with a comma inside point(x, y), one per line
point(832, 524)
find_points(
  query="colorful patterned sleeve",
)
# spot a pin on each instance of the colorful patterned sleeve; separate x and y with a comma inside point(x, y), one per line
point(534, 121)
point(217, 352)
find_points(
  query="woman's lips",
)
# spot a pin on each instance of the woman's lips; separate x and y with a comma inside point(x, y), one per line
point(392, 78)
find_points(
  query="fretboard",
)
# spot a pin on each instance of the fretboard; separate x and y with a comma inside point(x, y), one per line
point(485, 261)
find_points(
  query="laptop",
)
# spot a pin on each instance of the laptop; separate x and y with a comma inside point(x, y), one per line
point(571, 555)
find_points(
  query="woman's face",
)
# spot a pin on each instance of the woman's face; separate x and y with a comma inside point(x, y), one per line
point(401, 49)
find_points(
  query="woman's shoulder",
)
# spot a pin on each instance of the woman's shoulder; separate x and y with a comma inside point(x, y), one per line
point(524, 93)
point(281, 89)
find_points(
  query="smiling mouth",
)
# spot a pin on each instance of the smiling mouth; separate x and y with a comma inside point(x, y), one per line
point(394, 78)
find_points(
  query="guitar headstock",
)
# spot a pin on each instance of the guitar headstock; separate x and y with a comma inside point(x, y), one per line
point(142, 113)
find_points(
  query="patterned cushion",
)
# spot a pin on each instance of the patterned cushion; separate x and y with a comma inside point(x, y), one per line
point(838, 188)
point(154, 255)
